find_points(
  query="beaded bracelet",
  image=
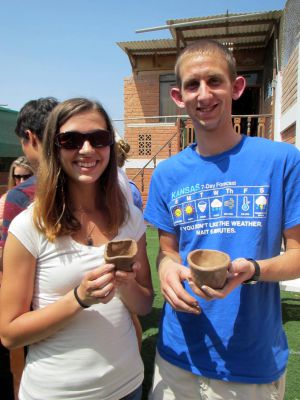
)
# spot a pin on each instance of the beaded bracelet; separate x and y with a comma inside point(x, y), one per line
point(80, 302)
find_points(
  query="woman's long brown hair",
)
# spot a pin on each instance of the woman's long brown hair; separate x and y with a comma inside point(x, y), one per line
point(52, 213)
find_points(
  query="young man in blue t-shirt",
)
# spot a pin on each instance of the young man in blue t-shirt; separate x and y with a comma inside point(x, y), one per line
point(235, 194)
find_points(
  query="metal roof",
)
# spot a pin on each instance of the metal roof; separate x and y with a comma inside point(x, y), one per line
point(242, 31)
point(149, 46)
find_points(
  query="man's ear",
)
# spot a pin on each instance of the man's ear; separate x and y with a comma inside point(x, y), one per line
point(175, 94)
point(32, 138)
point(238, 87)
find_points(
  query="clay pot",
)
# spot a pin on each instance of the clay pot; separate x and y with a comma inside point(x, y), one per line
point(209, 267)
point(121, 253)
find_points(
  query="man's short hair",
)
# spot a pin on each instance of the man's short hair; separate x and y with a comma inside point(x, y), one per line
point(208, 47)
point(33, 116)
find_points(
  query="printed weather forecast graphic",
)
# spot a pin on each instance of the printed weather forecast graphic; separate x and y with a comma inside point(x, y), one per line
point(189, 209)
point(236, 202)
point(178, 212)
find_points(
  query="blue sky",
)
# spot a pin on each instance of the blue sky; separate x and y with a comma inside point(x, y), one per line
point(67, 48)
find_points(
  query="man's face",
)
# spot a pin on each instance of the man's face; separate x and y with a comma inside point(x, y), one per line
point(206, 91)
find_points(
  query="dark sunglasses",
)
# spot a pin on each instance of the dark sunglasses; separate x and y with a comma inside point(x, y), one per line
point(24, 177)
point(72, 140)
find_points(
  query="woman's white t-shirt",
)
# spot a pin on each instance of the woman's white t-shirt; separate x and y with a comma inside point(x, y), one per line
point(96, 355)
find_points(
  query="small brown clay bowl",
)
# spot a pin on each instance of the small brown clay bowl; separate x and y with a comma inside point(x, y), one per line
point(209, 267)
point(121, 253)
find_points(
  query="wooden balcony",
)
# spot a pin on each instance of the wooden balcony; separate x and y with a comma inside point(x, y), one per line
point(251, 125)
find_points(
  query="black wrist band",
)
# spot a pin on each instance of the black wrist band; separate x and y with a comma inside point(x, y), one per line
point(78, 299)
point(255, 277)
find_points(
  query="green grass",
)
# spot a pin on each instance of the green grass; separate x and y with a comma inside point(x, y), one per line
point(291, 321)
point(150, 323)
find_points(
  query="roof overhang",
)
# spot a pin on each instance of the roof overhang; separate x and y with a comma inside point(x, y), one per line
point(238, 31)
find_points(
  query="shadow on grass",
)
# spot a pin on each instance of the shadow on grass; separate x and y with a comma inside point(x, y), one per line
point(151, 321)
point(290, 312)
point(148, 355)
point(150, 324)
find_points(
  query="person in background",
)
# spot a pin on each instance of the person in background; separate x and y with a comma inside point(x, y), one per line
point(19, 171)
point(69, 306)
point(123, 150)
point(239, 195)
point(30, 126)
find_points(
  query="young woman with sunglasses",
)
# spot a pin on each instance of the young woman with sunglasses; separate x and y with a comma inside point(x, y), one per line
point(68, 305)
point(19, 171)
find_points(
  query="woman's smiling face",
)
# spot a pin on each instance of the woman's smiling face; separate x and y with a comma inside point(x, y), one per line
point(88, 163)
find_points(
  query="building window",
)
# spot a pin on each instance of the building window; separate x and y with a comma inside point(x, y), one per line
point(166, 104)
point(252, 78)
point(144, 144)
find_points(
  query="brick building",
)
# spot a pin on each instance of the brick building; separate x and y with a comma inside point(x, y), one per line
point(266, 48)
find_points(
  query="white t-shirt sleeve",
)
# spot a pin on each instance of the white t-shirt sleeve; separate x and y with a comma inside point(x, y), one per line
point(125, 186)
point(23, 228)
point(135, 226)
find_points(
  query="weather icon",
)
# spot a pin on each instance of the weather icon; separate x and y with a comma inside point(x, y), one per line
point(177, 212)
point(229, 203)
point(261, 202)
point(245, 205)
point(189, 209)
point(216, 204)
point(202, 206)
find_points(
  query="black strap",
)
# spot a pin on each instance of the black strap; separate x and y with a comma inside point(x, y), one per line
point(80, 302)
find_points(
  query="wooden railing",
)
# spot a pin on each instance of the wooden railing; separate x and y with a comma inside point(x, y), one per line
point(255, 125)
point(250, 125)
point(154, 159)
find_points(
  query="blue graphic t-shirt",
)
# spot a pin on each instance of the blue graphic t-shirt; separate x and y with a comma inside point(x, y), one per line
point(238, 202)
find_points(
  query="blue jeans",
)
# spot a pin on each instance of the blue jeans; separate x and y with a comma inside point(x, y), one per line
point(135, 395)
